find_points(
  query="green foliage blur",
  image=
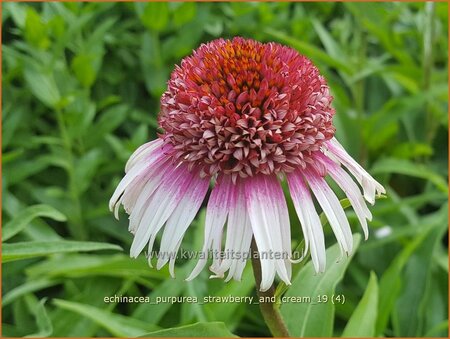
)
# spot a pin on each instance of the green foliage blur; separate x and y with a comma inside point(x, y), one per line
point(81, 86)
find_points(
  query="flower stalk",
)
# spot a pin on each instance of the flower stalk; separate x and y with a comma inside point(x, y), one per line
point(269, 310)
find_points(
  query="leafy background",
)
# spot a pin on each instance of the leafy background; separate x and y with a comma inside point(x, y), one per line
point(81, 85)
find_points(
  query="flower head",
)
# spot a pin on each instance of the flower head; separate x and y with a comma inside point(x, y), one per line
point(243, 115)
point(241, 107)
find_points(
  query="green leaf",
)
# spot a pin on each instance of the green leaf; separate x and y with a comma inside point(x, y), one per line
point(43, 321)
point(117, 325)
point(35, 30)
point(390, 282)
point(87, 63)
point(184, 13)
point(363, 320)
point(18, 13)
point(42, 84)
point(309, 50)
point(198, 330)
point(21, 220)
point(86, 168)
point(405, 167)
point(419, 269)
point(314, 318)
point(11, 156)
point(83, 67)
point(109, 120)
point(27, 287)
point(331, 46)
point(38, 229)
point(168, 288)
point(228, 312)
point(26, 168)
point(376, 19)
point(154, 15)
point(10, 123)
point(412, 150)
point(440, 328)
point(89, 291)
point(154, 69)
point(32, 249)
point(80, 265)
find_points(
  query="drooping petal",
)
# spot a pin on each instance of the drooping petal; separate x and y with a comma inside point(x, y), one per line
point(351, 190)
point(285, 225)
point(161, 205)
point(264, 200)
point(148, 186)
point(239, 236)
point(142, 152)
point(332, 208)
point(126, 180)
point(182, 217)
point(309, 220)
point(216, 215)
point(172, 259)
point(370, 186)
point(238, 265)
point(153, 155)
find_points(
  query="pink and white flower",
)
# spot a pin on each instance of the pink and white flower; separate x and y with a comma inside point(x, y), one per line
point(243, 116)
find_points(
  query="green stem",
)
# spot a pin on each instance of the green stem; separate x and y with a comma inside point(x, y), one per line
point(270, 312)
point(76, 225)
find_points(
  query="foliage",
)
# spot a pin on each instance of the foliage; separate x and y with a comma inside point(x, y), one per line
point(81, 87)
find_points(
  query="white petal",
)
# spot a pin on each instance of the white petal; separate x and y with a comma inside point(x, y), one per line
point(134, 190)
point(139, 169)
point(179, 216)
point(239, 236)
point(244, 248)
point(263, 209)
point(309, 220)
point(117, 207)
point(161, 205)
point(182, 217)
point(352, 191)
point(126, 180)
point(143, 151)
point(172, 260)
point(216, 215)
point(285, 226)
point(370, 186)
point(164, 169)
point(332, 209)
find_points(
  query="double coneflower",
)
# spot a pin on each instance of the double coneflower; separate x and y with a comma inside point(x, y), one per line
point(244, 116)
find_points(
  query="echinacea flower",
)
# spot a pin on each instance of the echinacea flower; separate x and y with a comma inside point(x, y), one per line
point(243, 115)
